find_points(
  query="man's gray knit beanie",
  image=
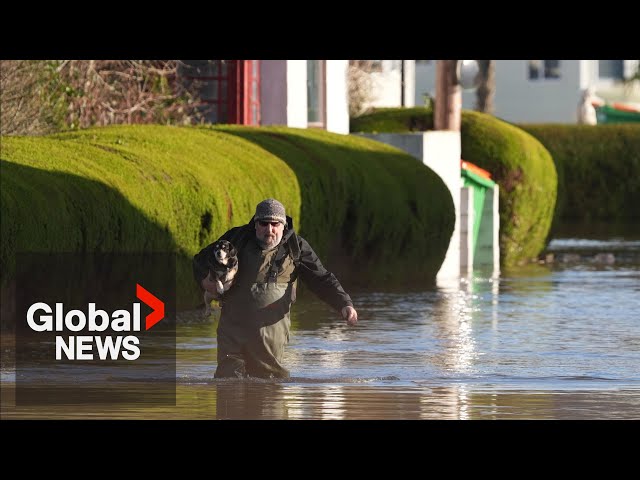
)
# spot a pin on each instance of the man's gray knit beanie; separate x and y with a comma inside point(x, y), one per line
point(271, 210)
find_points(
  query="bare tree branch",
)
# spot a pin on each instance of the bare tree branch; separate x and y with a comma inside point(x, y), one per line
point(44, 96)
point(360, 86)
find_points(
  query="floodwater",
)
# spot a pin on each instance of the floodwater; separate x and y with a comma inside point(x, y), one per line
point(551, 341)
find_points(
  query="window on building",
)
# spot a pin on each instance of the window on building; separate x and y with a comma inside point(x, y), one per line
point(611, 69)
point(226, 91)
point(544, 69)
point(315, 93)
point(552, 69)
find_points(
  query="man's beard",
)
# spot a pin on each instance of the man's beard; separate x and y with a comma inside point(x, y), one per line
point(271, 242)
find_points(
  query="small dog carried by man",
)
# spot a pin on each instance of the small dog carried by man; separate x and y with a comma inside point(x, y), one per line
point(223, 268)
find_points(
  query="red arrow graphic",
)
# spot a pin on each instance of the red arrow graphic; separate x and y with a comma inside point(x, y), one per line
point(154, 302)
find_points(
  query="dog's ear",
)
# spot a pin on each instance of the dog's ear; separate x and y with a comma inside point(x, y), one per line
point(233, 251)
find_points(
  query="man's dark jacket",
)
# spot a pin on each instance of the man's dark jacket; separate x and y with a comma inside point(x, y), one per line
point(308, 266)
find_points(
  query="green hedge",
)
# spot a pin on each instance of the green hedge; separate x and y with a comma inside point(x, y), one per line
point(373, 211)
point(393, 120)
point(522, 167)
point(376, 213)
point(598, 171)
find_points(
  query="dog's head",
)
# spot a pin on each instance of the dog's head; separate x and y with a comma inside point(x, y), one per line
point(223, 251)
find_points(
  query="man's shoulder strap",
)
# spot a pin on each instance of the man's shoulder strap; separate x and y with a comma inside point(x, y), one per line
point(294, 248)
point(289, 247)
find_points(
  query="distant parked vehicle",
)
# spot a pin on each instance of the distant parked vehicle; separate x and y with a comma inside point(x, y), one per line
point(617, 112)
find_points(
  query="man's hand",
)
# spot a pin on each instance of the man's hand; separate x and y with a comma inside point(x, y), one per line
point(350, 315)
point(210, 287)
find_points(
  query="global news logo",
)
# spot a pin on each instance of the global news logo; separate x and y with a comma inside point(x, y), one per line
point(41, 317)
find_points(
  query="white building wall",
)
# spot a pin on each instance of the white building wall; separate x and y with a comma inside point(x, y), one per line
point(386, 85)
point(518, 99)
point(588, 73)
point(337, 96)
point(297, 93)
point(385, 89)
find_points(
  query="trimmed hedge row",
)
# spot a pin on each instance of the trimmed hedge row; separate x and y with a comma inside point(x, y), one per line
point(376, 213)
point(159, 188)
point(132, 189)
point(520, 164)
point(598, 171)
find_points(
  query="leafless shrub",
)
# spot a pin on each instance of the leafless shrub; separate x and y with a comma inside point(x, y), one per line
point(360, 85)
point(43, 96)
point(27, 105)
point(125, 91)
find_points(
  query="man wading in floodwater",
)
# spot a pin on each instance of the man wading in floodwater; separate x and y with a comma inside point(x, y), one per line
point(255, 318)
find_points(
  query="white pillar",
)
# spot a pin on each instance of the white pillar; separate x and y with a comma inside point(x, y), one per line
point(442, 155)
point(336, 93)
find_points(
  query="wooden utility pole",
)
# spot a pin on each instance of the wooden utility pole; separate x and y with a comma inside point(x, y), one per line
point(486, 87)
point(448, 101)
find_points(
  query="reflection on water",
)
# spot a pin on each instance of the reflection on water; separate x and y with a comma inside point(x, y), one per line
point(559, 341)
point(241, 400)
